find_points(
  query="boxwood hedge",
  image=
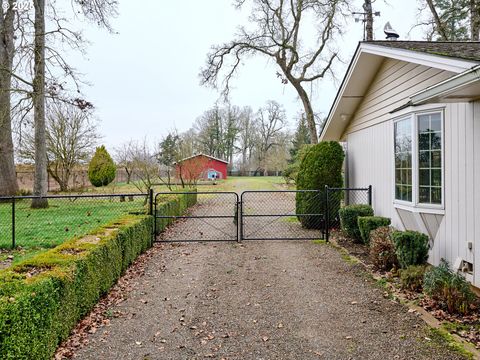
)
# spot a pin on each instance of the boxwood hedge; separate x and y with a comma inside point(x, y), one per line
point(42, 298)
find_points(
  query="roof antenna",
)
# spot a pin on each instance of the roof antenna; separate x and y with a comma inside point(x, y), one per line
point(392, 34)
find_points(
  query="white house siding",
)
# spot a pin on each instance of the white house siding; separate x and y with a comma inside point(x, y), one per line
point(370, 161)
point(395, 82)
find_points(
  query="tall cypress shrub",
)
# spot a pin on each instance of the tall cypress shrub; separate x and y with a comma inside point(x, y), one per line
point(102, 169)
point(320, 166)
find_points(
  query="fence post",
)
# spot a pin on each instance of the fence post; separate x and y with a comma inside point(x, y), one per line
point(13, 223)
point(150, 199)
point(370, 195)
point(327, 215)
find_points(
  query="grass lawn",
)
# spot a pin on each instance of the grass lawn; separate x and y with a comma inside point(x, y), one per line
point(40, 229)
point(37, 229)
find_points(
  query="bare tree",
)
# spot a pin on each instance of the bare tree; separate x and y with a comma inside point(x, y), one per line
point(271, 121)
point(123, 157)
point(247, 137)
point(146, 166)
point(8, 180)
point(40, 183)
point(71, 138)
point(278, 35)
point(452, 20)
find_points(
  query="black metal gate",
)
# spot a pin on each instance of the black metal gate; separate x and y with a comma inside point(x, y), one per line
point(274, 215)
point(212, 216)
point(255, 215)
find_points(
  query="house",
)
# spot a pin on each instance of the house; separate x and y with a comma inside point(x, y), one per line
point(201, 167)
point(409, 115)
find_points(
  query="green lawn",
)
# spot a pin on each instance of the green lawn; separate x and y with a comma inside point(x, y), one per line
point(61, 221)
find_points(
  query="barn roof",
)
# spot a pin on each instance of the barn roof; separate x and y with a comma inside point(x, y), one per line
point(202, 154)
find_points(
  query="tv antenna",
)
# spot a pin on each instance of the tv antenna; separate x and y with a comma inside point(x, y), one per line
point(362, 17)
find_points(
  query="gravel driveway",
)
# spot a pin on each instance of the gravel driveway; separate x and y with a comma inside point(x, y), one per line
point(257, 300)
point(260, 300)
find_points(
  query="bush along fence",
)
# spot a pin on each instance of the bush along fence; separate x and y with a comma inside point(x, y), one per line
point(42, 298)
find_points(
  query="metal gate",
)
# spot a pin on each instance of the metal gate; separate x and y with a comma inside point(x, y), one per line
point(274, 215)
point(206, 216)
point(255, 215)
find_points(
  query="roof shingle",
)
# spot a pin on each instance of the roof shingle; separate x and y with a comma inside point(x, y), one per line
point(467, 50)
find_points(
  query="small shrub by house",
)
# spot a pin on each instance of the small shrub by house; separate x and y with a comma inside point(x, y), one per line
point(411, 247)
point(368, 223)
point(411, 278)
point(449, 289)
point(349, 219)
point(382, 249)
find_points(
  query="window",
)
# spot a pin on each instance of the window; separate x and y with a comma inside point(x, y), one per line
point(430, 158)
point(419, 178)
point(403, 160)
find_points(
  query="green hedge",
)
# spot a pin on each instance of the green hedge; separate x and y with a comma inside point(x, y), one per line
point(42, 298)
point(349, 218)
point(411, 247)
point(368, 223)
point(171, 205)
point(321, 166)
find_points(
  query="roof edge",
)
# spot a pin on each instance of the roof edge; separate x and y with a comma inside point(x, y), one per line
point(436, 61)
point(201, 154)
point(447, 86)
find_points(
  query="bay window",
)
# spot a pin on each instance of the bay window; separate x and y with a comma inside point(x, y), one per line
point(418, 141)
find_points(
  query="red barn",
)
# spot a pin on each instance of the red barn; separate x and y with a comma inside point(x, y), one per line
point(201, 167)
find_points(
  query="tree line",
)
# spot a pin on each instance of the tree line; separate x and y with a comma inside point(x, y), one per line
point(252, 142)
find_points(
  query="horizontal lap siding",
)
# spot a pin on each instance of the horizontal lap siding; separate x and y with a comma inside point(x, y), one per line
point(395, 82)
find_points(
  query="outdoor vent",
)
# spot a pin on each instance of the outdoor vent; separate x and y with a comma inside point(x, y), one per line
point(392, 34)
point(463, 266)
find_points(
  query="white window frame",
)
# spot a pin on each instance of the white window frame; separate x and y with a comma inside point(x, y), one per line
point(415, 205)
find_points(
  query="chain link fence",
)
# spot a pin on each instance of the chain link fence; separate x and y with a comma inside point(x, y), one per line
point(282, 215)
point(66, 217)
point(337, 198)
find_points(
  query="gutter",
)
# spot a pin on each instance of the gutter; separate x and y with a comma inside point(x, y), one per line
point(447, 86)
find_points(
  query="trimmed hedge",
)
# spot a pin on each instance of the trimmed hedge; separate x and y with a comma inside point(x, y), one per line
point(368, 223)
point(321, 165)
point(42, 298)
point(171, 205)
point(349, 218)
point(411, 247)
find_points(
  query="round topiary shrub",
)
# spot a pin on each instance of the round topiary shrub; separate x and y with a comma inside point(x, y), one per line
point(102, 169)
point(411, 247)
point(321, 165)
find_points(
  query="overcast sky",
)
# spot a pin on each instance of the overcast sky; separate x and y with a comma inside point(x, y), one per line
point(144, 80)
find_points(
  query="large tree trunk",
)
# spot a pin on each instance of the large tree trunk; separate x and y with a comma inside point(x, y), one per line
point(8, 178)
point(310, 116)
point(40, 185)
point(474, 19)
point(367, 7)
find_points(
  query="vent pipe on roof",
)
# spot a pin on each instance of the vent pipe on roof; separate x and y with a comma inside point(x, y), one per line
point(392, 34)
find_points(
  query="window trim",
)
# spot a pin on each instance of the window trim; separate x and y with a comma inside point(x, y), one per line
point(415, 203)
point(403, 202)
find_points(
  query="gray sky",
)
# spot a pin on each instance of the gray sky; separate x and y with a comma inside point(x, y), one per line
point(145, 79)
